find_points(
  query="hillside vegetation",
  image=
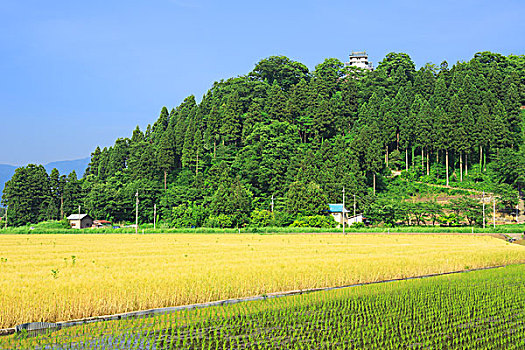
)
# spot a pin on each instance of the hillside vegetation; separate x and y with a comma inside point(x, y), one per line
point(285, 135)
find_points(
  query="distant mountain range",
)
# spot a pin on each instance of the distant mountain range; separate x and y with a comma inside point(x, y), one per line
point(64, 167)
point(6, 172)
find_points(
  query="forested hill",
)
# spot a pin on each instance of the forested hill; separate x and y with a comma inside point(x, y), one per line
point(63, 166)
point(300, 136)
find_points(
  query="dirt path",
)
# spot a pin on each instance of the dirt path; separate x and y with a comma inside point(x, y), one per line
point(488, 194)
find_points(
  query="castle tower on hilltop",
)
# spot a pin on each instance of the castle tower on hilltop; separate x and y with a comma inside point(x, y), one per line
point(360, 59)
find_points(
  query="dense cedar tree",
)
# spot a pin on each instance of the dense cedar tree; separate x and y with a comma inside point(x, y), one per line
point(282, 131)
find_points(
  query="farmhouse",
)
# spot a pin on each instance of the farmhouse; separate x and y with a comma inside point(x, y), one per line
point(80, 221)
point(340, 215)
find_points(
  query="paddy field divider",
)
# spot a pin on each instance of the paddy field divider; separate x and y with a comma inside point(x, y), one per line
point(35, 328)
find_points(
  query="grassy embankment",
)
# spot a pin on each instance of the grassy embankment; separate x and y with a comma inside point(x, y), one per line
point(62, 277)
point(148, 228)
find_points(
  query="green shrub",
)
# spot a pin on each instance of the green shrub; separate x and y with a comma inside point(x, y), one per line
point(322, 221)
point(220, 221)
point(283, 219)
point(262, 218)
point(52, 224)
point(357, 225)
point(449, 219)
point(188, 215)
point(65, 223)
point(395, 160)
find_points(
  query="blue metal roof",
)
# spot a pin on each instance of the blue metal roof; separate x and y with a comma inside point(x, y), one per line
point(336, 208)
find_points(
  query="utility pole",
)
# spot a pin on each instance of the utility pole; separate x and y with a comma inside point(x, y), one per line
point(483, 200)
point(79, 212)
point(343, 211)
point(154, 215)
point(137, 212)
point(272, 203)
point(494, 210)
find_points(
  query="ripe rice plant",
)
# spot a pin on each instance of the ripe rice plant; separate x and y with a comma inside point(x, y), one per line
point(474, 310)
point(42, 282)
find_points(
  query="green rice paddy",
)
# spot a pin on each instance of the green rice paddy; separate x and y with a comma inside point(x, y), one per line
point(474, 310)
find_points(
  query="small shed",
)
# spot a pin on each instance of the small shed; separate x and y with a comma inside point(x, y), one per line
point(340, 214)
point(80, 221)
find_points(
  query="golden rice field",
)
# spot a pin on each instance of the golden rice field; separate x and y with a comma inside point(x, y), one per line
point(61, 277)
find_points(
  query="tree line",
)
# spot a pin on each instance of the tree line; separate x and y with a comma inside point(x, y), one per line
point(300, 136)
point(33, 195)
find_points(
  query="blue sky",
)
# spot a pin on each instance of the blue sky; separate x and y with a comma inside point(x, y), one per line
point(77, 74)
